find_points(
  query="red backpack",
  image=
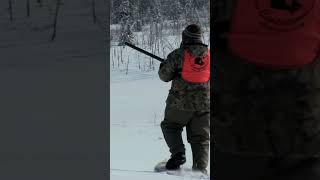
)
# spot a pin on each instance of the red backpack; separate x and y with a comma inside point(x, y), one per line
point(279, 33)
point(196, 69)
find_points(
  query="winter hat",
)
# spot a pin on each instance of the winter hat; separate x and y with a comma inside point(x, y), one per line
point(192, 34)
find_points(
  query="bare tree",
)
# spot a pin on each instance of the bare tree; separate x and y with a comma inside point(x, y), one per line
point(10, 11)
point(55, 20)
point(28, 8)
point(94, 16)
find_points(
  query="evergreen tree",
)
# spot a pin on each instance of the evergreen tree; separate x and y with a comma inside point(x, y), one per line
point(126, 19)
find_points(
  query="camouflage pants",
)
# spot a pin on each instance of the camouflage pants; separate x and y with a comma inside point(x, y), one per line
point(198, 133)
point(263, 112)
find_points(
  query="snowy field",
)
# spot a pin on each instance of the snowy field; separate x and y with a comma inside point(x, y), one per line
point(137, 106)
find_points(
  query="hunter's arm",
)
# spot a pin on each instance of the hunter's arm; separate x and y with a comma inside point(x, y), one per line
point(167, 68)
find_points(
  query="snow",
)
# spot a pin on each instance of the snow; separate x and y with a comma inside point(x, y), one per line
point(136, 139)
point(137, 106)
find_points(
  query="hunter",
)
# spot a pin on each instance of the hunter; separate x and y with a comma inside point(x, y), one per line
point(188, 102)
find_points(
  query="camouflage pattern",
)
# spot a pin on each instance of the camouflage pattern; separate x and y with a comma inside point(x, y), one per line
point(266, 112)
point(183, 95)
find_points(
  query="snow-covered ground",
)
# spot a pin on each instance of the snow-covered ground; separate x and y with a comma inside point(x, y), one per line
point(137, 106)
point(136, 140)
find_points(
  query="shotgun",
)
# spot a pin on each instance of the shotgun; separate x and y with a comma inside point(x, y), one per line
point(144, 52)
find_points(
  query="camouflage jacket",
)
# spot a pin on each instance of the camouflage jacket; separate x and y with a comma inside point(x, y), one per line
point(184, 95)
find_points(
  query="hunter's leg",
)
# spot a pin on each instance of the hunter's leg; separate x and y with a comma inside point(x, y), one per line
point(172, 127)
point(198, 134)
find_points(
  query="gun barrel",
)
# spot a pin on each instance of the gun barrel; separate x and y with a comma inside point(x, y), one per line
point(144, 52)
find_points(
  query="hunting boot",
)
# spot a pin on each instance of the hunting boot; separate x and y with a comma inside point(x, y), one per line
point(176, 160)
point(200, 155)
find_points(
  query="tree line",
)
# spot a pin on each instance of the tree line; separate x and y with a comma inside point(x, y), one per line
point(147, 11)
